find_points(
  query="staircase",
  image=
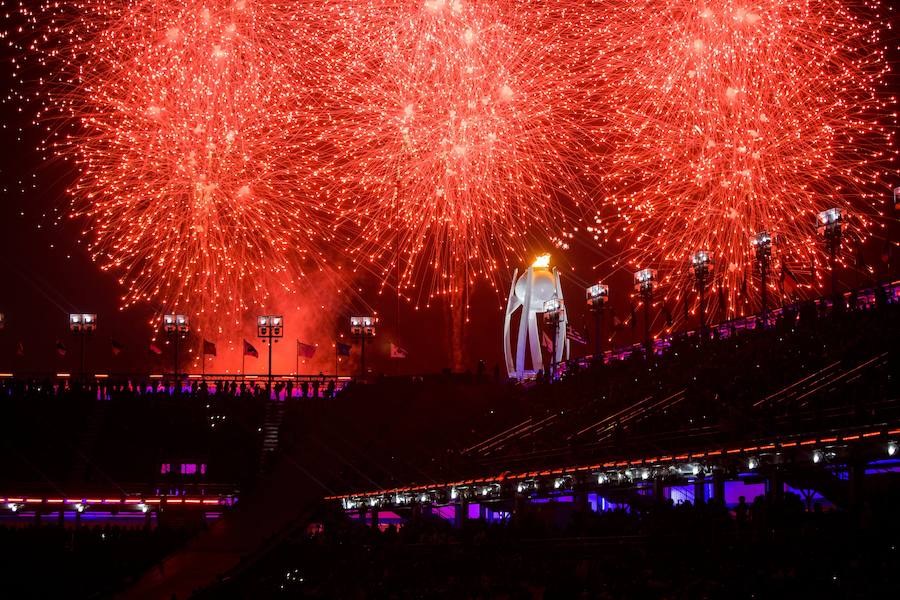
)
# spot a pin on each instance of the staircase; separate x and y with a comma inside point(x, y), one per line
point(270, 430)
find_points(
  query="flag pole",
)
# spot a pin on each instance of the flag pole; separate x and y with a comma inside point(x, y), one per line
point(335, 360)
point(202, 359)
point(243, 356)
point(297, 361)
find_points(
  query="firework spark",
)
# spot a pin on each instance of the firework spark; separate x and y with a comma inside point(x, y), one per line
point(730, 118)
point(457, 130)
point(188, 123)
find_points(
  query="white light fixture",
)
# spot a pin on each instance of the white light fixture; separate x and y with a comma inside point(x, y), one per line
point(597, 294)
point(82, 322)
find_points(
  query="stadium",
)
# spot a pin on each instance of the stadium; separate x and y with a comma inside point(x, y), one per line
point(449, 299)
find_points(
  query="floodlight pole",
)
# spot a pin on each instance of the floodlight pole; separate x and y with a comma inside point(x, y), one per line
point(554, 325)
point(361, 328)
point(833, 242)
point(647, 297)
point(175, 359)
point(270, 358)
point(598, 330)
point(763, 272)
point(830, 226)
point(701, 288)
point(269, 328)
point(362, 355)
point(81, 335)
point(762, 243)
point(82, 325)
point(597, 297)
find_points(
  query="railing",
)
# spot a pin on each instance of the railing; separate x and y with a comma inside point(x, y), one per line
point(866, 299)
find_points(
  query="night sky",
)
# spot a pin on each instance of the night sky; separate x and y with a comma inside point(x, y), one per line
point(46, 273)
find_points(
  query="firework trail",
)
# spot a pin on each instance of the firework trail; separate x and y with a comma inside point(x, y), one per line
point(457, 134)
point(193, 138)
point(726, 119)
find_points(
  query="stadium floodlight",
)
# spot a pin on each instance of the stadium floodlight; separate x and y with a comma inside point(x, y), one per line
point(82, 325)
point(176, 326)
point(644, 282)
point(362, 327)
point(829, 226)
point(176, 323)
point(830, 222)
point(597, 300)
point(892, 448)
point(752, 463)
point(597, 294)
point(701, 261)
point(762, 247)
point(269, 328)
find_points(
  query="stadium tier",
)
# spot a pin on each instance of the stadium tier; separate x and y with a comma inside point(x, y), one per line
point(796, 419)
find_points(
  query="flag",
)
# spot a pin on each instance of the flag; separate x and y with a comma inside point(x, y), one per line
point(575, 335)
point(116, 347)
point(342, 349)
point(249, 350)
point(305, 350)
point(60, 348)
point(397, 351)
point(20, 349)
point(209, 348)
point(155, 349)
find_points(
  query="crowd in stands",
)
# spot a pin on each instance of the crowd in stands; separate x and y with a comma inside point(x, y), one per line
point(763, 549)
point(40, 562)
point(393, 431)
point(720, 384)
point(127, 388)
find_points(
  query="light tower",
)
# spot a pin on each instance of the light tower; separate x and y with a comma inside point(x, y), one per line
point(829, 227)
point(530, 292)
point(360, 329)
point(701, 261)
point(270, 328)
point(644, 281)
point(762, 244)
point(176, 326)
point(554, 310)
point(597, 298)
point(82, 325)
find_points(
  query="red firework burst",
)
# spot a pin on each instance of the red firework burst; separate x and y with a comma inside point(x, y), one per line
point(190, 130)
point(731, 118)
point(458, 127)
